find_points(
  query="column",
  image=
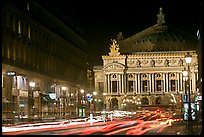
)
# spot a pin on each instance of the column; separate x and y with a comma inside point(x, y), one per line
point(118, 87)
point(167, 82)
point(136, 83)
point(125, 85)
point(150, 82)
point(108, 90)
point(122, 83)
point(153, 90)
point(181, 81)
point(164, 82)
point(139, 91)
point(105, 83)
point(96, 85)
point(178, 83)
point(110, 87)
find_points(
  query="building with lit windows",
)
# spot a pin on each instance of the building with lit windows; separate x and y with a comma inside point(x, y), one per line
point(43, 64)
point(146, 69)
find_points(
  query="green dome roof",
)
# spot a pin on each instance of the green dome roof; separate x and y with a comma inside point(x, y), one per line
point(159, 38)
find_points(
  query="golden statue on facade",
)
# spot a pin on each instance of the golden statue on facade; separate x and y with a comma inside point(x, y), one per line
point(114, 48)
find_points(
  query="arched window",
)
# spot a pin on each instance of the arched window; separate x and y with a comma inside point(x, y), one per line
point(158, 100)
point(145, 82)
point(145, 101)
point(158, 82)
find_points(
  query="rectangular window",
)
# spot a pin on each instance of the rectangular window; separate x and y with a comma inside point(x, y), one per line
point(19, 27)
point(173, 85)
point(114, 86)
point(130, 86)
point(144, 85)
point(159, 85)
point(100, 87)
point(29, 32)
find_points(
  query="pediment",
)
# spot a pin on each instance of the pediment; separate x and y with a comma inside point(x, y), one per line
point(114, 66)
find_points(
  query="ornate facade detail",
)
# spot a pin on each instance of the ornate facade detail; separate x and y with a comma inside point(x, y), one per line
point(180, 62)
point(158, 61)
point(144, 61)
point(138, 64)
point(172, 61)
point(114, 66)
point(99, 76)
point(152, 63)
point(130, 63)
point(166, 63)
point(114, 49)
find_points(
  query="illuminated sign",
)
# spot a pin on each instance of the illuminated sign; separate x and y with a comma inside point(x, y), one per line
point(193, 111)
point(89, 98)
point(52, 95)
point(11, 73)
point(185, 98)
point(197, 98)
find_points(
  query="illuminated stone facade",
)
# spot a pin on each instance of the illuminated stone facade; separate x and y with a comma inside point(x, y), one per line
point(146, 70)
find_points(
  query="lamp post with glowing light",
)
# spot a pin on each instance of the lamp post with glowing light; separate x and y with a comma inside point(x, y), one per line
point(188, 60)
point(94, 100)
point(63, 102)
point(82, 101)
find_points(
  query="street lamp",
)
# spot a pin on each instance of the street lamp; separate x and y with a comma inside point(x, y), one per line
point(188, 60)
point(82, 101)
point(62, 105)
point(32, 84)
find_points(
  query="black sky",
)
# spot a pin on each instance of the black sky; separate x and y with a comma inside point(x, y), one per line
point(103, 20)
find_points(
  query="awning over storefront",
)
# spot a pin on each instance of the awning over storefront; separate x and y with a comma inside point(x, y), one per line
point(5, 100)
point(46, 98)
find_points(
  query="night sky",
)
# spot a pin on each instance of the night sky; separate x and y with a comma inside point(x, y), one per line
point(102, 20)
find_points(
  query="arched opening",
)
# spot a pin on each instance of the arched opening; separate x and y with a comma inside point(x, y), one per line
point(158, 101)
point(114, 104)
point(145, 101)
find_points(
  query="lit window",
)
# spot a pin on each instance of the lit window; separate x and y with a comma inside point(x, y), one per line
point(29, 32)
point(158, 84)
point(28, 6)
point(114, 86)
point(144, 85)
point(173, 85)
point(19, 27)
point(130, 86)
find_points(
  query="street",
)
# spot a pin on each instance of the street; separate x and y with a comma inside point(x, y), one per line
point(149, 123)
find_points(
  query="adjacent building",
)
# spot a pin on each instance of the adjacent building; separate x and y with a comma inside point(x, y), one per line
point(43, 63)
